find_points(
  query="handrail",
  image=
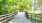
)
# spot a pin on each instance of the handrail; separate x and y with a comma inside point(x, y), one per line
point(40, 18)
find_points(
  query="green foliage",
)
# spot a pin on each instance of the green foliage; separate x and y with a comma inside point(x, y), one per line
point(6, 6)
point(39, 2)
point(23, 4)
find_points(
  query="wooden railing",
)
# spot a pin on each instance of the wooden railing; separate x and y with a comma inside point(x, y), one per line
point(7, 17)
point(35, 16)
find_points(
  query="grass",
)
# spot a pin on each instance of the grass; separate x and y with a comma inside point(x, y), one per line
point(36, 21)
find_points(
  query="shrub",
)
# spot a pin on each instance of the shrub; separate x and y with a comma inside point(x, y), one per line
point(6, 6)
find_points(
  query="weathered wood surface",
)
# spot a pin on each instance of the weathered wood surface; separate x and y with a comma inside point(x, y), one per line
point(35, 16)
point(7, 17)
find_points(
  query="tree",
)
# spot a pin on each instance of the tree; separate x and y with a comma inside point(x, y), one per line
point(6, 6)
point(23, 4)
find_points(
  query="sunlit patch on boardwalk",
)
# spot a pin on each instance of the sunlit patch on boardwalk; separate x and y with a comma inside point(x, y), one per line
point(0, 22)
